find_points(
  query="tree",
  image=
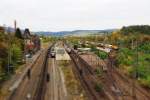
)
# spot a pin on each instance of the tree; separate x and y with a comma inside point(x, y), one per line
point(142, 29)
point(17, 53)
point(18, 33)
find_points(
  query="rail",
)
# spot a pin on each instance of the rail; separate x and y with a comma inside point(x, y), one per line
point(41, 87)
point(88, 80)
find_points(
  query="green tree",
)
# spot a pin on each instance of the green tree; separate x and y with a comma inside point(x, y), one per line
point(18, 33)
point(17, 54)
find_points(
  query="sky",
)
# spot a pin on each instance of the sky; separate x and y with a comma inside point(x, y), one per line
point(62, 15)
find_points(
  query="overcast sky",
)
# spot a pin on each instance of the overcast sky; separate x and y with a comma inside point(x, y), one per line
point(59, 15)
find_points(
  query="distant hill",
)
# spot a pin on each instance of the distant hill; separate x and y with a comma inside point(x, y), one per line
point(142, 29)
point(66, 33)
point(9, 29)
point(75, 33)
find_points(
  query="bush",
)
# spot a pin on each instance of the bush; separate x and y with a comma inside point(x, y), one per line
point(145, 47)
point(98, 87)
point(125, 56)
point(102, 55)
point(98, 71)
point(4, 76)
point(145, 82)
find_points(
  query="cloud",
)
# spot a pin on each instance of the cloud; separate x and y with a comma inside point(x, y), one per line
point(56, 15)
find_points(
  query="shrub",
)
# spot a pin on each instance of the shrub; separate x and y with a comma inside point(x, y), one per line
point(98, 87)
point(145, 82)
point(102, 55)
point(98, 71)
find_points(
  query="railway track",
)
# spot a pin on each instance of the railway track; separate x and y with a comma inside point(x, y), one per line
point(56, 89)
point(116, 86)
point(41, 87)
point(35, 87)
point(125, 85)
point(88, 82)
point(122, 84)
point(86, 75)
point(28, 86)
point(128, 82)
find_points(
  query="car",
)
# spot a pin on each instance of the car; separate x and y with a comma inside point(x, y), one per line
point(28, 56)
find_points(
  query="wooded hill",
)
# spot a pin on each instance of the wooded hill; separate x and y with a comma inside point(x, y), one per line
point(143, 29)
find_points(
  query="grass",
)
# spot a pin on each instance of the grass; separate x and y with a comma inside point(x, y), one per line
point(98, 72)
point(74, 87)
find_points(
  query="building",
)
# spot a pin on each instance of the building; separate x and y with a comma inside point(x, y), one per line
point(2, 29)
point(32, 42)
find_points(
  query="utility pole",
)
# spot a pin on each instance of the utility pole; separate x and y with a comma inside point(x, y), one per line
point(135, 76)
point(25, 37)
point(15, 25)
point(135, 72)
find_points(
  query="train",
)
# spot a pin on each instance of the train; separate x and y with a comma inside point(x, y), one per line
point(68, 50)
point(53, 53)
point(108, 46)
